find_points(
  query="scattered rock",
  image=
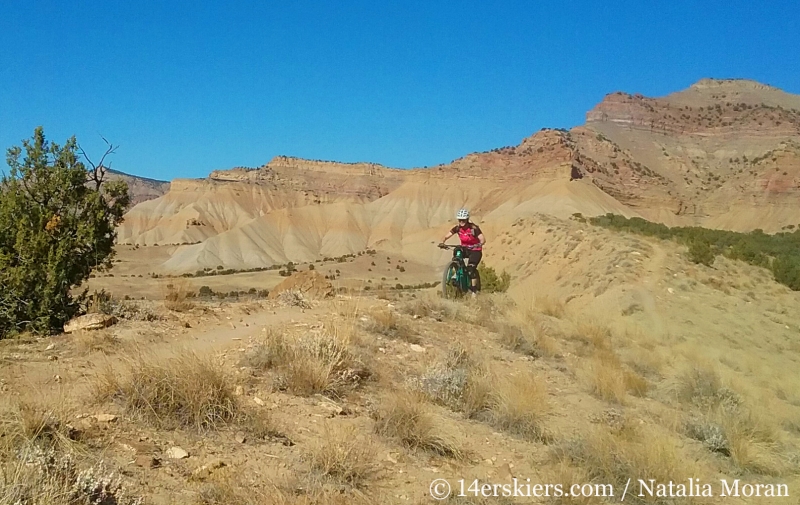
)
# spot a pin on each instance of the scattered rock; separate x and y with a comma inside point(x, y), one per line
point(105, 418)
point(239, 391)
point(177, 453)
point(89, 322)
point(240, 437)
point(258, 401)
point(50, 347)
point(417, 348)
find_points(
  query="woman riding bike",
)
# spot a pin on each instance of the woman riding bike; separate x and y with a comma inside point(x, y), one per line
point(472, 238)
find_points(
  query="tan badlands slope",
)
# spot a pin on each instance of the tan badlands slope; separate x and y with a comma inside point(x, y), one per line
point(720, 154)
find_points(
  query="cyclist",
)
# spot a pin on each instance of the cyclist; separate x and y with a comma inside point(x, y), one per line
point(472, 238)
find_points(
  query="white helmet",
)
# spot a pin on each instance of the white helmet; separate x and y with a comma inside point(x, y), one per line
point(462, 214)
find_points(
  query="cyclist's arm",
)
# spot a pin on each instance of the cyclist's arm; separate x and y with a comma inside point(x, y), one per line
point(482, 239)
point(449, 234)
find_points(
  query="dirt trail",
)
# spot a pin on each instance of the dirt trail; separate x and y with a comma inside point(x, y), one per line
point(645, 289)
point(46, 369)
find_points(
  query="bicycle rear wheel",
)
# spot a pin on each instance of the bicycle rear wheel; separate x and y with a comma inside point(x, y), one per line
point(450, 287)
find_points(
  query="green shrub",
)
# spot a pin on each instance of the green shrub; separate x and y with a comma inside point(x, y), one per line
point(787, 271)
point(700, 252)
point(491, 282)
point(780, 252)
point(205, 291)
point(57, 226)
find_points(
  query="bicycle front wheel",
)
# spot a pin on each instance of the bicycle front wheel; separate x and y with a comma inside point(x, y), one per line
point(450, 287)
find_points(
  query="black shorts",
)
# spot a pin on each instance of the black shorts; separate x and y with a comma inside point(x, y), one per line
point(474, 258)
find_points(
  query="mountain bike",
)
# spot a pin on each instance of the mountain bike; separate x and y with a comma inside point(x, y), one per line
point(455, 279)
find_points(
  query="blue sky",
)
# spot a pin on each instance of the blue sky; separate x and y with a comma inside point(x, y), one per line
point(189, 87)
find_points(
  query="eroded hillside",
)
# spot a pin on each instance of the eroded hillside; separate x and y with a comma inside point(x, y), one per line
point(720, 154)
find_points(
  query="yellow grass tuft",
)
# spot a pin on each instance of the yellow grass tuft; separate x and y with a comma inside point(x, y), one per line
point(183, 392)
point(518, 406)
point(404, 416)
point(437, 308)
point(179, 296)
point(343, 457)
point(310, 363)
point(96, 340)
point(749, 439)
point(630, 453)
point(594, 334)
point(42, 421)
point(607, 379)
point(226, 488)
point(550, 306)
point(385, 322)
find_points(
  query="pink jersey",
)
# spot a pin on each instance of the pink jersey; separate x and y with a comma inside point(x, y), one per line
point(468, 235)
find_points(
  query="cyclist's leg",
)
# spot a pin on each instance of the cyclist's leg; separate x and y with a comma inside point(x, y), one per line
point(474, 260)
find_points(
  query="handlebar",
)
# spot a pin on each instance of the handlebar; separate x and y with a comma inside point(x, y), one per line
point(449, 246)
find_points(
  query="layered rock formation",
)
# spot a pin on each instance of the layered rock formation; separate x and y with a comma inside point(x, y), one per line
point(721, 154)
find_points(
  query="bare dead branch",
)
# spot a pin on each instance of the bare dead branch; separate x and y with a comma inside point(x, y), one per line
point(98, 173)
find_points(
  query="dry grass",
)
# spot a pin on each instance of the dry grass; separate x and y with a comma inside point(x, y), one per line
point(385, 322)
point(437, 308)
point(518, 404)
point(47, 476)
point(183, 392)
point(607, 380)
point(524, 334)
point(96, 340)
point(632, 452)
point(463, 383)
point(646, 361)
point(311, 363)
point(749, 439)
point(565, 475)
point(610, 381)
point(458, 380)
point(404, 416)
point(348, 307)
point(227, 488)
point(635, 384)
point(550, 306)
point(43, 462)
point(179, 296)
point(343, 457)
point(698, 383)
point(595, 334)
point(42, 422)
point(517, 338)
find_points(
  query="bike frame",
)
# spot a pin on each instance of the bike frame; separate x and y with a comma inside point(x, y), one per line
point(461, 277)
